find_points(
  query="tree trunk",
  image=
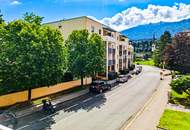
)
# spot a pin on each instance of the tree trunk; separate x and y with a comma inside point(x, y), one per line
point(29, 94)
point(82, 83)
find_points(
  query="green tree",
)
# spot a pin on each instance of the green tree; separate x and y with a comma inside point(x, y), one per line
point(177, 54)
point(32, 18)
point(96, 55)
point(164, 40)
point(1, 18)
point(77, 43)
point(86, 54)
point(31, 55)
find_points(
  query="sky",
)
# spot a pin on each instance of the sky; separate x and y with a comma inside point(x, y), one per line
point(118, 14)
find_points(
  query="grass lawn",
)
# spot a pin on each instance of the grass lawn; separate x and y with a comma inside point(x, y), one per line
point(175, 120)
point(145, 62)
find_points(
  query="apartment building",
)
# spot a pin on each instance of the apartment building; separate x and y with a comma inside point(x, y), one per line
point(184, 33)
point(117, 45)
point(130, 55)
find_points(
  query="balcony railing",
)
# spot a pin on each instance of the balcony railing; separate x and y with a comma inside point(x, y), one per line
point(109, 38)
point(111, 62)
point(111, 50)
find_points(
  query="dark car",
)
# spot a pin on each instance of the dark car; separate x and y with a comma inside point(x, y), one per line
point(122, 78)
point(99, 86)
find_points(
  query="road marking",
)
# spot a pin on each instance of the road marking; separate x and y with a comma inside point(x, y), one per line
point(22, 127)
point(71, 106)
point(43, 118)
point(88, 99)
point(98, 95)
point(141, 110)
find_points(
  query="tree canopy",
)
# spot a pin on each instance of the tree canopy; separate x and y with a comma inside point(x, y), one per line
point(96, 55)
point(31, 55)
point(86, 54)
point(164, 40)
point(177, 54)
point(1, 18)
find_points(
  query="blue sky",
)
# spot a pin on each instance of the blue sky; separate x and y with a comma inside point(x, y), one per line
point(53, 10)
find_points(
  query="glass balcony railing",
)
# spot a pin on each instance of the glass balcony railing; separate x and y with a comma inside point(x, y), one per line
point(111, 62)
point(111, 50)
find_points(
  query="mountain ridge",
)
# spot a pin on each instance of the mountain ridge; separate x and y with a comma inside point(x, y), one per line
point(147, 31)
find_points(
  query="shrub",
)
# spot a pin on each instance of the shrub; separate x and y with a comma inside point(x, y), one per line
point(125, 71)
point(181, 85)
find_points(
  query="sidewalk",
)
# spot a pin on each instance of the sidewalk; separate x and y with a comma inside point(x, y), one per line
point(148, 117)
point(27, 110)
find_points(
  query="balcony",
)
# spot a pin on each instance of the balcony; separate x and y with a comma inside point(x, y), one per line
point(111, 50)
point(111, 62)
point(109, 38)
point(123, 42)
point(125, 52)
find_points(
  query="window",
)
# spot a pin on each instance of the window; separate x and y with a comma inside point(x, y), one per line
point(60, 26)
point(100, 31)
point(92, 29)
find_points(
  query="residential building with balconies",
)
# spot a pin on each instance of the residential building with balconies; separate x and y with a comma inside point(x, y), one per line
point(116, 44)
point(130, 55)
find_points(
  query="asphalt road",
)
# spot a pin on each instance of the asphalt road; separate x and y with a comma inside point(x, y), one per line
point(108, 111)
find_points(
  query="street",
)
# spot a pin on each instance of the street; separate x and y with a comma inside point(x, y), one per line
point(108, 111)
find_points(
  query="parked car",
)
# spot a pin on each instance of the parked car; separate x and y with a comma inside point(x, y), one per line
point(139, 69)
point(122, 79)
point(112, 83)
point(99, 86)
point(135, 71)
point(129, 76)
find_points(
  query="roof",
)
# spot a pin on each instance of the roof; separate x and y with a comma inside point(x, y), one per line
point(123, 35)
point(104, 26)
point(62, 20)
point(108, 28)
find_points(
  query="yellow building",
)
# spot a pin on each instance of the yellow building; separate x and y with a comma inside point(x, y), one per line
point(116, 44)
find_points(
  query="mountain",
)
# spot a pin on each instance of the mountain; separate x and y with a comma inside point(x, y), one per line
point(147, 31)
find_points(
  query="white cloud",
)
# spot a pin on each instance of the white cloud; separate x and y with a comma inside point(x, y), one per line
point(134, 16)
point(15, 2)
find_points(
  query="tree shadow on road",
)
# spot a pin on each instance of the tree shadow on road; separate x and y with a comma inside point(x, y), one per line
point(41, 121)
point(97, 101)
